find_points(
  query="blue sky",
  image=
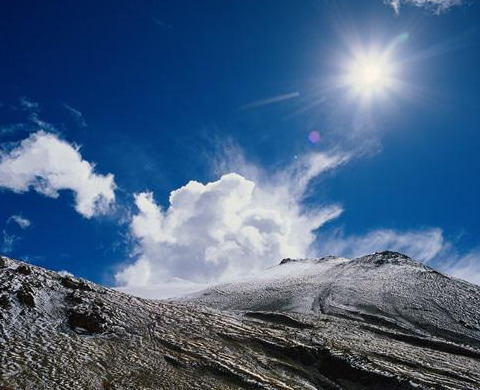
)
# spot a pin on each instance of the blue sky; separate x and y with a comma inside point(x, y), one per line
point(161, 93)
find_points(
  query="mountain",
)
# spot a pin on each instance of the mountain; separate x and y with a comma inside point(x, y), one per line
point(385, 288)
point(381, 321)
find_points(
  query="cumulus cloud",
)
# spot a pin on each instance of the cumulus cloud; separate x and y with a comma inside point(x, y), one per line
point(47, 164)
point(216, 231)
point(437, 6)
point(22, 222)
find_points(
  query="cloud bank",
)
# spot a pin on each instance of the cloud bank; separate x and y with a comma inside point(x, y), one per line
point(47, 164)
point(437, 6)
point(228, 227)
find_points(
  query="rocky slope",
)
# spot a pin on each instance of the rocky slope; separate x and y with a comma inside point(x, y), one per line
point(385, 288)
point(378, 322)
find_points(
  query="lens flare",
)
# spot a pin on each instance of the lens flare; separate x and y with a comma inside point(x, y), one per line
point(314, 137)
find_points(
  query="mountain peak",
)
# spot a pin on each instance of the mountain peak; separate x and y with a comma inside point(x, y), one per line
point(387, 257)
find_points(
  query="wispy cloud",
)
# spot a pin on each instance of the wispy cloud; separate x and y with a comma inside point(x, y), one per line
point(76, 115)
point(437, 6)
point(12, 128)
point(29, 105)
point(162, 24)
point(27, 118)
point(33, 110)
point(466, 266)
point(8, 241)
point(270, 100)
point(22, 222)
point(426, 245)
point(422, 245)
point(45, 163)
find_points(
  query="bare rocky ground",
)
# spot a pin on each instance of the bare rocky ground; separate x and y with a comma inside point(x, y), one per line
point(378, 322)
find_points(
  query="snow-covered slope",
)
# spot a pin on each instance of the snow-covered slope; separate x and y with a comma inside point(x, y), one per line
point(293, 328)
point(386, 288)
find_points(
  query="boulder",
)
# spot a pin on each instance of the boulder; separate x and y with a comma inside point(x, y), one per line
point(75, 284)
point(89, 320)
point(24, 269)
point(26, 297)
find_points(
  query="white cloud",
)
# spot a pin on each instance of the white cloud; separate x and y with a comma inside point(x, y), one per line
point(437, 6)
point(422, 245)
point(465, 267)
point(216, 231)
point(20, 221)
point(47, 164)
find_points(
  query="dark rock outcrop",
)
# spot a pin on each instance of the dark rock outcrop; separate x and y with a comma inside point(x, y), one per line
point(5, 301)
point(90, 320)
point(75, 284)
point(26, 296)
point(24, 269)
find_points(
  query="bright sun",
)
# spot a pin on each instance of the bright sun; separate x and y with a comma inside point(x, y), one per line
point(370, 74)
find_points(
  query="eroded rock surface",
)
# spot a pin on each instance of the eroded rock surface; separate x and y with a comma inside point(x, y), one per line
point(98, 338)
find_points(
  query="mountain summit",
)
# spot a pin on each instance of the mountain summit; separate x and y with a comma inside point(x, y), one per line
point(382, 321)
